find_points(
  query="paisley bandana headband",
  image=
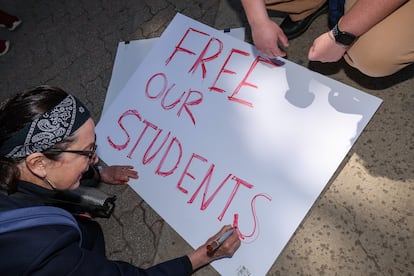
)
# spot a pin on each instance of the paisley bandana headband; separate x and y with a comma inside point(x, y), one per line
point(48, 130)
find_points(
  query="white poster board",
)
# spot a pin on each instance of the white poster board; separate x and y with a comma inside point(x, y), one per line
point(223, 136)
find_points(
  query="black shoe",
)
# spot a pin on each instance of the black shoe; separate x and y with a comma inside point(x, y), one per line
point(293, 29)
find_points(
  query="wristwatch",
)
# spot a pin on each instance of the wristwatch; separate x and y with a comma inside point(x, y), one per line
point(343, 38)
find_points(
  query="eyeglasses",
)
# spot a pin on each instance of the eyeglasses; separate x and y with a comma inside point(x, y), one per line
point(89, 153)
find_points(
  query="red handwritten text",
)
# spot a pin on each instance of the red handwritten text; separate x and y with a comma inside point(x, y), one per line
point(192, 97)
point(201, 60)
point(173, 151)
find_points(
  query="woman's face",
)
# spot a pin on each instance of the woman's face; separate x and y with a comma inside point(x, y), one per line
point(65, 173)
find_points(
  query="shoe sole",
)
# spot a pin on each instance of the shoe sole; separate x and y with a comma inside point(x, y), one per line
point(14, 26)
point(7, 43)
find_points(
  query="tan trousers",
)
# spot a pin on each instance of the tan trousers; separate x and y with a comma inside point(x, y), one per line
point(383, 50)
point(297, 9)
point(387, 47)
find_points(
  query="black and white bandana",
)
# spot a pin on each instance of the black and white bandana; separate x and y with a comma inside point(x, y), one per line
point(48, 130)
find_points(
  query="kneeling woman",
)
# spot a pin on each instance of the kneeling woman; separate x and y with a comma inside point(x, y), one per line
point(47, 143)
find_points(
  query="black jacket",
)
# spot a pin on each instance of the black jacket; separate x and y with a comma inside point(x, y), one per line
point(55, 250)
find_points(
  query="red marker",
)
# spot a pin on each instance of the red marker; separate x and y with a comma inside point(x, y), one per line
point(211, 248)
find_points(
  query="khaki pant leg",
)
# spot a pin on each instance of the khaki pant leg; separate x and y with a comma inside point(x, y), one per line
point(297, 9)
point(387, 47)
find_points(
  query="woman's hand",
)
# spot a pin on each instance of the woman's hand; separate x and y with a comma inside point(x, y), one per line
point(118, 174)
point(325, 49)
point(200, 257)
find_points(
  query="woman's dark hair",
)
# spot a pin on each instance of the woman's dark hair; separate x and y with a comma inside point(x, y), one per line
point(18, 111)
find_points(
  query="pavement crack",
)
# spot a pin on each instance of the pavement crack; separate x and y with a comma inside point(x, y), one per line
point(358, 242)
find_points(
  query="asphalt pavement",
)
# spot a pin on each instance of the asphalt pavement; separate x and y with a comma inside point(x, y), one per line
point(363, 221)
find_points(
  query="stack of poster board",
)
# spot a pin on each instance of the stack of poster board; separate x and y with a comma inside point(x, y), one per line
point(221, 135)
